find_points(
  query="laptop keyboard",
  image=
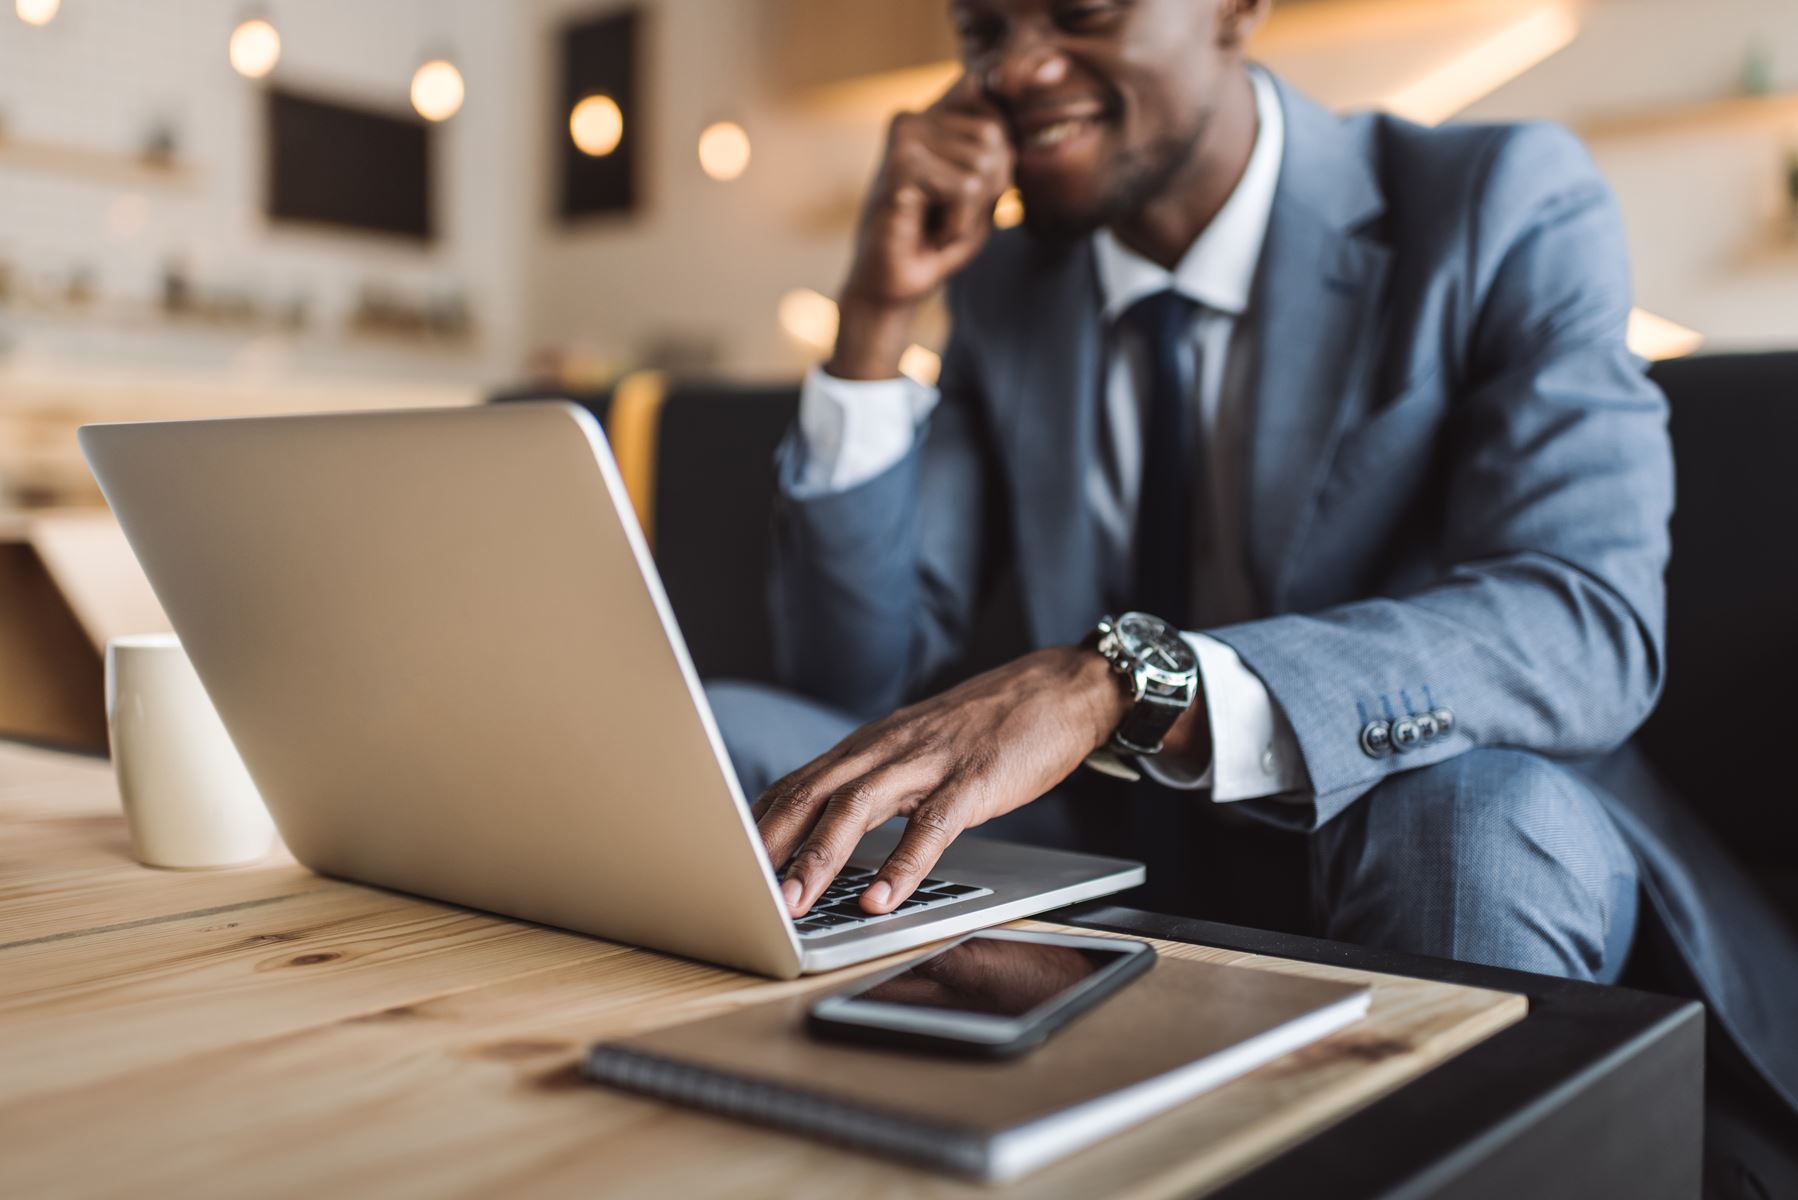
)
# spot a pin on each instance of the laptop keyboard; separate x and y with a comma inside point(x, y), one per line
point(839, 908)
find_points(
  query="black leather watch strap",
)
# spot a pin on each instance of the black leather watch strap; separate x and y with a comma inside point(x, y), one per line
point(1146, 724)
point(1161, 686)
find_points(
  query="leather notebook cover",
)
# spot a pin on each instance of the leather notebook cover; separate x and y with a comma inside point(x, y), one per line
point(1182, 1029)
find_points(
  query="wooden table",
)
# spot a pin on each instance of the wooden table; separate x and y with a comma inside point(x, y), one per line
point(265, 1031)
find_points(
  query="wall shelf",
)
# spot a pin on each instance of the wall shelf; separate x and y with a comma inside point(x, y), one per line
point(1779, 111)
point(811, 45)
point(900, 53)
point(108, 167)
point(1777, 253)
point(127, 317)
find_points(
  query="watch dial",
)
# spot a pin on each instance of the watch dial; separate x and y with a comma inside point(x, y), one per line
point(1155, 643)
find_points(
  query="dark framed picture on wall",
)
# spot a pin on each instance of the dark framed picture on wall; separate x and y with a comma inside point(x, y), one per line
point(341, 165)
point(599, 116)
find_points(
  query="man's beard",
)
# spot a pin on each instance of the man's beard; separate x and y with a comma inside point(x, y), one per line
point(1139, 178)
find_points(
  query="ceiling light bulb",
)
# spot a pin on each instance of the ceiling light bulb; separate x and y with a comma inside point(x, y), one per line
point(921, 363)
point(809, 317)
point(724, 151)
point(596, 125)
point(437, 90)
point(37, 12)
point(1656, 338)
point(255, 48)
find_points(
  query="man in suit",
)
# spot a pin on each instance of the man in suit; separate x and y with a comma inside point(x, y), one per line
point(1342, 407)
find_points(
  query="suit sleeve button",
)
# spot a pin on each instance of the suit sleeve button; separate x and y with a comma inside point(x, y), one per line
point(1376, 738)
point(1405, 734)
point(1445, 721)
point(1427, 728)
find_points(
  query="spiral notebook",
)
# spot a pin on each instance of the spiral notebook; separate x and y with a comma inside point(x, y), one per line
point(1182, 1029)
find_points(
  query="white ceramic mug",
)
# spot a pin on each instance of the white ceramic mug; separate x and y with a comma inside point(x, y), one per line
point(189, 801)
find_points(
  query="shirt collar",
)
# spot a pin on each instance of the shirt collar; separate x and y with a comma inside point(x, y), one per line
point(1218, 269)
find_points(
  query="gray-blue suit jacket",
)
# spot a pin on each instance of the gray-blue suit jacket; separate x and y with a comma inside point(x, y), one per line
point(1458, 487)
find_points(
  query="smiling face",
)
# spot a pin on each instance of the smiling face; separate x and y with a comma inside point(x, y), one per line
point(1105, 100)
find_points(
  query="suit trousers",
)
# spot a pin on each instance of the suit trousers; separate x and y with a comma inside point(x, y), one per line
point(1495, 856)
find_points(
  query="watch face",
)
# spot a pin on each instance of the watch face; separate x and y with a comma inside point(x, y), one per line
point(1155, 643)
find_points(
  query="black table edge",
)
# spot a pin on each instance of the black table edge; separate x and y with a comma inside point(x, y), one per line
point(1598, 1091)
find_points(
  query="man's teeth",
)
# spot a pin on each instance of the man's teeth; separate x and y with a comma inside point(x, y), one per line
point(1054, 135)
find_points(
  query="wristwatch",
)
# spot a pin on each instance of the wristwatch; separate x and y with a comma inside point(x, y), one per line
point(1159, 671)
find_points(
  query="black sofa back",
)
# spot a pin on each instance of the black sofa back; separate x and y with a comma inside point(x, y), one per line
point(714, 499)
point(1719, 734)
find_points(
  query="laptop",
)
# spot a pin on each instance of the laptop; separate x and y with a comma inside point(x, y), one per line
point(439, 642)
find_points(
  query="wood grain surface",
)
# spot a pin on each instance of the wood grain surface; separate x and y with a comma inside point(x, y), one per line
point(264, 1031)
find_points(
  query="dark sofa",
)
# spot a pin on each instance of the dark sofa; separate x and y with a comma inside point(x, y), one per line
point(1720, 733)
point(1731, 701)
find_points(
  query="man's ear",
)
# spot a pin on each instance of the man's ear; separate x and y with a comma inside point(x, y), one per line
point(1238, 19)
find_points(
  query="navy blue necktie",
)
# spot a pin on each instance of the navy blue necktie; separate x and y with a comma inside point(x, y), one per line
point(1165, 507)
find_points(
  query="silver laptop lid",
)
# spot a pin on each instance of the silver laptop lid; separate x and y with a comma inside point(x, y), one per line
point(441, 646)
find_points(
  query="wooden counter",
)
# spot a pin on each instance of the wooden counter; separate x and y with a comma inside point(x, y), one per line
point(265, 1031)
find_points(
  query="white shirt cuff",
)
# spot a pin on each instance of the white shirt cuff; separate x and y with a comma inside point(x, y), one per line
point(851, 430)
point(1254, 752)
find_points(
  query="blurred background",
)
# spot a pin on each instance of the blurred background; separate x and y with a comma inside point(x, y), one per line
point(432, 199)
point(219, 207)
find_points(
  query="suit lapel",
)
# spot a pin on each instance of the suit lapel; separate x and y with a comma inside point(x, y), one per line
point(1047, 426)
point(1318, 297)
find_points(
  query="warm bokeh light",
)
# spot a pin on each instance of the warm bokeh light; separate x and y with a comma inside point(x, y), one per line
point(809, 317)
point(37, 12)
point(921, 363)
point(596, 125)
point(1009, 211)
point(1459, 81)
point(724, 151)
point(255, 48)
point(437, 90)
point(1657, 338)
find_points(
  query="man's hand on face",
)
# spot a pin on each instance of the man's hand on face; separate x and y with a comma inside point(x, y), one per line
point(992, 744)
point(927, 215)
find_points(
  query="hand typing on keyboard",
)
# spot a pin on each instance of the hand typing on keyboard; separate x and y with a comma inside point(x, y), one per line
point(838, 907)
point(946, 764)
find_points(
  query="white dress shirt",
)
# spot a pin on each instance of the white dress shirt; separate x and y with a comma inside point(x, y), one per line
point(853, 430)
